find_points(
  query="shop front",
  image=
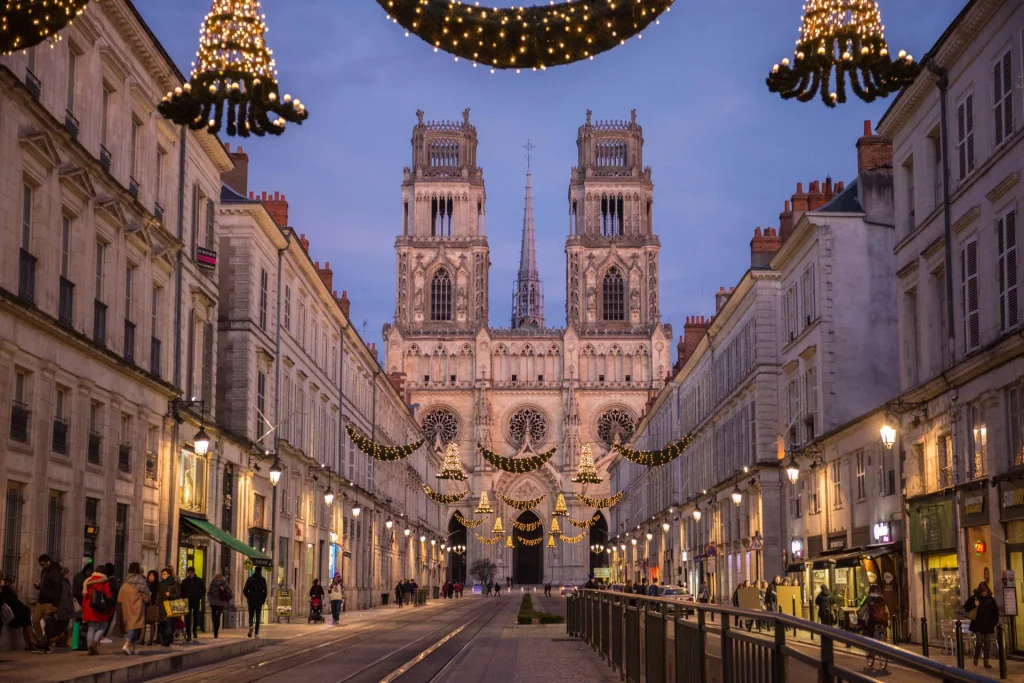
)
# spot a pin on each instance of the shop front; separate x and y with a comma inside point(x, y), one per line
point(933, 547)
point(1011, 513)
point(194, 545)
point(849, 574)
point(976, 529)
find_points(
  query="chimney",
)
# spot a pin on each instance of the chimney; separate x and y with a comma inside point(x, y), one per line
point(820, 194)
point(326, 274)
point(344, 304)
point(238, 177)
point(873, 152)
point(277, 207)
point(763, 247)
point(304, 242)
point(373, 350)
point(721, 297)
point(786, 222)
point(397, 380)
point(693, 331)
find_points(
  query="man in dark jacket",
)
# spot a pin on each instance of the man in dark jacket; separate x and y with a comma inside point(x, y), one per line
point(50, 587)
point(193, 589)
point(77, 584)
point(255, 592)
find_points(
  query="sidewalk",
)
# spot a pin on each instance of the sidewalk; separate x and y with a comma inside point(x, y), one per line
point(153, 662)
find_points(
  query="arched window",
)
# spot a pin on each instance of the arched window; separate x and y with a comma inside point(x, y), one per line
point(441, 296)
point(614, 302)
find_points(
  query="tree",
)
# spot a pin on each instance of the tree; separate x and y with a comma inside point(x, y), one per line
point(483, 570)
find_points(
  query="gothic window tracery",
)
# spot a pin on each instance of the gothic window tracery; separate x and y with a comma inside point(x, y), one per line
point(612, 210)
point(611, 153)
point(613, 296)
point(444, 152)
point(442, 216)
point(441, 296)
point(616, 423)
point(440, 424)
point(527, 420)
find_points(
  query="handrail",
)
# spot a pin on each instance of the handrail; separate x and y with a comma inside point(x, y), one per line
point(825, 634)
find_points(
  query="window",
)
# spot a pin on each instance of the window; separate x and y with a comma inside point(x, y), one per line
point(910, 337)
point(862, 489)
point(977, 435)
point(154, 322)
point(12, 530)
point(133, 149)
point(1002, 97)
point(314, 338)
point(441, 296)
point(211, 217)
point(613, 297)
point(807, 285)
point(965, 136)
point(302, 325)
point(908, 178)
point(945, 462)
point(935, 141)
point(261, 401)
point(1006, 235)
point(161, 157)
point(790, 327)
point(55, 526)
point(129, 275)
point(811, 396)
point(100, 248)
point(259, 505)
point(287, 308)
point(59, 442)
point(837, 484)
point(26, 217)
point(72, 78)
point(941, 316)
point(92, 518)
point(798, 494)
point(814, 501)
point(192, 481)
point(1015, 408)
point(969, 295)
point(152, 452)
point(263, 298)
point(104, 116)
point(65, 248)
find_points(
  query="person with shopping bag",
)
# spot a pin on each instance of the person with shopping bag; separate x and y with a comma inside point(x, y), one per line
point(97, 606)
point(172, 605)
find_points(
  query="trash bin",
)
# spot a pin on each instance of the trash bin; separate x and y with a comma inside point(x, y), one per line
point(421, 596)
point(384, 597)
point(437, 592)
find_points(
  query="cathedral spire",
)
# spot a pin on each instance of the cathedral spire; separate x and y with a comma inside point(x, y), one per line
point(528, 295)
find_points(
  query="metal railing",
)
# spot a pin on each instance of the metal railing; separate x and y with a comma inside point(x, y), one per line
point(59, 442)
point(133, 187)
point(33, 84)
point(658, 640)
point(27, 276)
point(105, 158)
point(66, 308)
point(71, 124)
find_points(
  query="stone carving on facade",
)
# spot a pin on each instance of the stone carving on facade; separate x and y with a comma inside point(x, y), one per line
point(460, 303)
point(440, 425)
point(591, 299)
point(574, 289)
point(634, 304)
point(403, 287)
point(481, 287)
point(527, 426)
point(616, 425)
point(652, 286)
point(418, 300)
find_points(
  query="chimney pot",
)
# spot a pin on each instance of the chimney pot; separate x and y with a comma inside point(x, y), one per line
point(788, 206)
point(867, 129)
point(799, 188)
point(227, 147)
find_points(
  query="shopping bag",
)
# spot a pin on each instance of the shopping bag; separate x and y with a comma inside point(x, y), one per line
point(176, 608)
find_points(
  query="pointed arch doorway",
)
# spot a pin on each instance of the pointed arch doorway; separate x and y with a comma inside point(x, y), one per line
point(528, 560)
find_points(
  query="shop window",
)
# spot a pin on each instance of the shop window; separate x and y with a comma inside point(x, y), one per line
point(1015, 419)
point(192, 482)
point(837, 484)
point(862, 489)
point(977, 435)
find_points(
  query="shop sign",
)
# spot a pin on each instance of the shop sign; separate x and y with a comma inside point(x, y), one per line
point(882, 532)
point(837, 542)
point(797, 548)
point(1011, 497)
point(602, 573)
point(284, 602)
point(931, 527)
point(973, 507)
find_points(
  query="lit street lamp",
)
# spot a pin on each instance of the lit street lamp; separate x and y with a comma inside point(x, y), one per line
point(793, 470)
point(737, 496)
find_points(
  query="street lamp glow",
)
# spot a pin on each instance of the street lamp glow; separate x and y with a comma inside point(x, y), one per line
point(633, 541)
point(275, 472)
point(356, 510)
point(697, 514)
point(665, 526)
point(433, 541)
point(650, 536)
point(737, 496)
point(423, 539)
point(201, 441)
point(329, 496)
point(407, 532)
point(623, 546)
point(888, 433)
point(390, 523)
point(793, 470)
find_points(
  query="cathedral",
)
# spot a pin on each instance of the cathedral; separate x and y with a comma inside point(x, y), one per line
point(529, 387)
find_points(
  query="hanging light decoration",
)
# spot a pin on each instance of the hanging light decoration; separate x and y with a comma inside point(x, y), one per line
point(452, 466)
point(234, 75)
point(498, 527)
point(551, 541)
point(484, 506)
point(27, 23)
point(587, 472)
point(845, 36)
point(555, 528)
point(508, 542)
point(560, 509)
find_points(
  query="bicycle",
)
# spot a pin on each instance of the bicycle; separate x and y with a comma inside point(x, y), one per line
point(879, 634)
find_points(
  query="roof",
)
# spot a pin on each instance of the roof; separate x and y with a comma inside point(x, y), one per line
point(847, 201)
point(229, 196)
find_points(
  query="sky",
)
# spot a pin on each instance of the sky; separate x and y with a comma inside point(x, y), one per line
point(725, 152)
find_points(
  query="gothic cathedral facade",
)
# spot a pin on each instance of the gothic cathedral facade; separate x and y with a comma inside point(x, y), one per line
point(528, 388)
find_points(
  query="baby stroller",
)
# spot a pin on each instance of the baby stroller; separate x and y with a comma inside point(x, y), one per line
point(316, 611)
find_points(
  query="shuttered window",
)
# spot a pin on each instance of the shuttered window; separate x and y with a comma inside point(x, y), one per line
point(1002, 97)
point(969, 295)
point(965, 136)
point(1009, 306)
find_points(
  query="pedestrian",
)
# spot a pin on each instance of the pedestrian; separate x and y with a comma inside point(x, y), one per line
point(458, 589)
point(497, 589)
point(316, 597)
point(736, 598)
point(704, 594)
point(982, 610)
point(193, 589)
point(490, 587)
point(153, 608)
point(97, 604)
point(336, 595)
point(219, 595)
point(49, 588)
point(653, 590)
point(133, 597)
point(76, 593)
point(824, 605)
point(410, 592)
point(115, 586)
point(255, 592)
point(20, 616)
point(399, 593)
point(771, 596)
point(57, 627)
point(873, 617)
point(167, 590)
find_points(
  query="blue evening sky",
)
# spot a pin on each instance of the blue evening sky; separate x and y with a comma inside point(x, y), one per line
point(725, 152)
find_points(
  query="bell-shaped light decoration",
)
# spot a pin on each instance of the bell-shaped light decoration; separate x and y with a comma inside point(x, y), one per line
point(587, 471)
point(560, 508)
point(452, 466)
point(508, 541)
point(551, 541)
point(484, 506)
point(555, 528)
point(498, 528)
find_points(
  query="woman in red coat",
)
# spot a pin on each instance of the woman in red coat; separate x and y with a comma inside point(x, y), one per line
point(96, 618)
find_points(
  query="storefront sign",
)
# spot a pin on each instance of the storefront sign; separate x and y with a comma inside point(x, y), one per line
point(603, 573)
point(931, 526)
point(882, 532)
point(973, 507)
point(797, 548)
point(1011, 498)
point(837, 542)
point(284, 602)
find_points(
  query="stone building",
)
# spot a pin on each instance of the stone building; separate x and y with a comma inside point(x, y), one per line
point(960, 421)
point(528, 388)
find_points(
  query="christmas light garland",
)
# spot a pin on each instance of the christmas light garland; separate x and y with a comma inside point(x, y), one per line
point(845, 36)
point(27, 23)
point(522, 505)
point(483, 507)
point(601, 502)
point(498, 527)
point(485, 540)
point(585, 524)
point(574, 539)
point(655, 458)
point(380, 451)
point(530, 542)
point(468, 523)
point(234, 75)
point(586, 473)
point(516, 465)
point(451, 468)
point(444, 498)
point(527, 526)
point(525, 37)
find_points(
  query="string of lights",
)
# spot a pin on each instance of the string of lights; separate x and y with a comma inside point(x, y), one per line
point(521, 505)
point(444, 498)
point(487, 541)
point(516, 465)
point(451, 468)
point(584, 524)
point(586, 473)
point(377, 450)
point(468, 523)
point(655, 458)
point(574, 539)
point(530, 542)
point(27, 23)
point(527, 526)
point(601, 502)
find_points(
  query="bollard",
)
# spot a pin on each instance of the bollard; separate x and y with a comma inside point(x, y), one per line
point(895, 626)
point(924, 636)
point(1001, 647)
point(959, 644)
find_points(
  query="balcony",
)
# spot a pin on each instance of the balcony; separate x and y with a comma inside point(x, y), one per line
point(27, 277)
point(154, 356)
point(59, 444)
point(129, 341)
point(95, 442)
point(105, 158)
point(99, 323)
point(33, 85)
point(133, 187)
point(124, 457)
point(19, 422)
point(151, 465)
point(158, 211)
point(71, 124)
point(65, 313)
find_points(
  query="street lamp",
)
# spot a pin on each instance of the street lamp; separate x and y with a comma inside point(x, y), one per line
point(793, 470)
point(356, 510)
point(633, 541)
point(697, 513)
point(737, 496)
point(407, 532)
point(888, 433)
point(665, 526)
point(433, 542)
point(329, 496)
point(201, 441)
point(389, 523)
point(650, 536)
point(275, 472)
point(623, 547)
point(423, 539)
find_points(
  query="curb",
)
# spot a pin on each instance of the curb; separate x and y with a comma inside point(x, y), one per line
point(147, 670)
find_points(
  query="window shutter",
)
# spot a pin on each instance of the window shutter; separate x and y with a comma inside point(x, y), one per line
point(195, 218)
point(1009, 311)
point(961, 135)
point(997, 99)
point(970, 132)
point(210, 217)
point(969, 278)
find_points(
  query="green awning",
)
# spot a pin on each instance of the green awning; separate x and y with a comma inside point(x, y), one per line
point(223, 537)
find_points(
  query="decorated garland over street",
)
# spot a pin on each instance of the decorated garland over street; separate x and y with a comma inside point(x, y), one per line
point(655, 458)
point(527, 526)
point(585, 524)
point(487, 541)
point(521, 504)
point(27, 23)
point(380, 451)
point(444, 498)
point(468, 523)
point(574, 539)
point(525, 37)
point(516, 465)
point(530, 542)
point(601, 502)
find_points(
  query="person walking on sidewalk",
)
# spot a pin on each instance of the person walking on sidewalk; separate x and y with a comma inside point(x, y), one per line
point(219, 596)
point(97, 605)
point(983, 612)
point(410, 592)
point(76, 593)
point(153, 608)
point(115, 586)
point(20, 615)
point(133, 598)
point(57, 628)
point(399, 592)
point(873, 617)
point(167, 590)
point(334, 594)
point(193, 589)
point(255, 592)
point(49, 588)
point(824, 605)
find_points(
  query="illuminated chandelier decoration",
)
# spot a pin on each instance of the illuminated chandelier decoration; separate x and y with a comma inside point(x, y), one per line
point(560, 509)
point(587, 471)
point(485, 540)
point(234, 76)
point(525, 37)
point(27, 23)
point(499, 529)
point(846, 36)
point(468, 523)
point(444, 498)
point(484, 506)
point(601, 502)
point(452, 467)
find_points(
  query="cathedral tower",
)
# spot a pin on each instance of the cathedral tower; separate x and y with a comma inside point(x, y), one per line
point(528, 294)
point(442, 252)
point(611, 250)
